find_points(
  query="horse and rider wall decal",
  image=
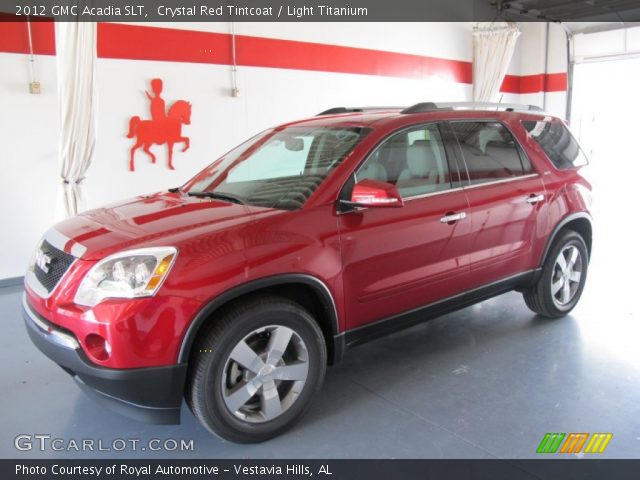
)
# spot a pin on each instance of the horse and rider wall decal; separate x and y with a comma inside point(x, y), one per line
point(164, 127)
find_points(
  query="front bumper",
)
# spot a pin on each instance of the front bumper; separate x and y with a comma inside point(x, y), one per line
point(152, 394)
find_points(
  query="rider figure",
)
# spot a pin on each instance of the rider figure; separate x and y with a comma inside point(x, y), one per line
point(158, 112)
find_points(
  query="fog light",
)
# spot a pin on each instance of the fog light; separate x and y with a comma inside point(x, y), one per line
point(97, 347)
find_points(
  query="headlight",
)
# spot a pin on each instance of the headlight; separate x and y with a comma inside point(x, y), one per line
point(129, 274)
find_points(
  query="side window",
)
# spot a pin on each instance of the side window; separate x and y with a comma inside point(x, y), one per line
point(490, 151)
point(413, 160)
point(557, 142)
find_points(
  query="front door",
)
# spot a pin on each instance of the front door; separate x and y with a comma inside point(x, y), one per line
point(398, 259)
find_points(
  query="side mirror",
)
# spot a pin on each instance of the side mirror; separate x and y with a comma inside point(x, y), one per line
point(375, 194)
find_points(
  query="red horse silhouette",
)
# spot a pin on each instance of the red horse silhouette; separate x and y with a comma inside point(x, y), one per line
point(161, 129)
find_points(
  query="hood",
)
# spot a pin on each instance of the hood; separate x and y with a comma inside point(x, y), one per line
point(160, 219)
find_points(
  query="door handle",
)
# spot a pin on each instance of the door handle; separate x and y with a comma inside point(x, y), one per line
point(533, 199)
point(453, 217)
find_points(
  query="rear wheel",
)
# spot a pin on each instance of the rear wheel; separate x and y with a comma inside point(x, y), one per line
point(256, 370)
point(563, 277)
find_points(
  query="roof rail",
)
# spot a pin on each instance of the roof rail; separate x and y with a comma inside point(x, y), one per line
point(431, 106)
point(421, 107)
point(338, 110)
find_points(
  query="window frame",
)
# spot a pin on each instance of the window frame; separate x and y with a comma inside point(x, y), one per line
point(448, 144)
point(519, 150)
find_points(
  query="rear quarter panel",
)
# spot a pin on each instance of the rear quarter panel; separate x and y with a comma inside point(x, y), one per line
point(568, 191)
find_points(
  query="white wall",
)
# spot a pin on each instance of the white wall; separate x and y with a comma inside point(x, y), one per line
point(536, 57)
point(28, 158)
point(268, 97)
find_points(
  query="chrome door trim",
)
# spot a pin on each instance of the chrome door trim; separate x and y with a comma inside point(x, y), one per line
point(502, 180)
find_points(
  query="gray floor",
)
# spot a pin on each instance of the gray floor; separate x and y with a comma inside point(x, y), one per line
point(487, 381)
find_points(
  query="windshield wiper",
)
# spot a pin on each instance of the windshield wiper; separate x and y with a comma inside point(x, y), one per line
point(218, 196)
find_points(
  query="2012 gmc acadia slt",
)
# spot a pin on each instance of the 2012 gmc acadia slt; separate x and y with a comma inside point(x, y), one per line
point(237, 289)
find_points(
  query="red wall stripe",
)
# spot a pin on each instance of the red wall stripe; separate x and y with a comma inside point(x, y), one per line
point(550, 82)
point(151, 43)
point(136, 42)
point(15, 39)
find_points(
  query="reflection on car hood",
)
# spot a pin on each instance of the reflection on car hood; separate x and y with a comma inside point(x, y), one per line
point(159, 219)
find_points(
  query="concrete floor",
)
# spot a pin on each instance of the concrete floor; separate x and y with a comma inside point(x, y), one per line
point(488, 381)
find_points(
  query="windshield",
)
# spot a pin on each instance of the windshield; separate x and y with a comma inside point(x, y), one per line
point(278, 168)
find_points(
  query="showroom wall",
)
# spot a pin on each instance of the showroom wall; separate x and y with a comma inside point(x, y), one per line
point(285, 71)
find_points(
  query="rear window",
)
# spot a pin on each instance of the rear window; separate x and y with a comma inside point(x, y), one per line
point(557, 142)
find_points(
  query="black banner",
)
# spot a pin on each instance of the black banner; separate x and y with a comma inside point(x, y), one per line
point(568, 469)
point(310, 10)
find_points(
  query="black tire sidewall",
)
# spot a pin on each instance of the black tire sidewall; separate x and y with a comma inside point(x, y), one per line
point(221, 419)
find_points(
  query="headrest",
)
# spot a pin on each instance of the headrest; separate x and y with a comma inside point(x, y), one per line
point(420, 160)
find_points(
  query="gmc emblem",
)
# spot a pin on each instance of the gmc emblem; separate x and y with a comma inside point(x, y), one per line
point(42, 261)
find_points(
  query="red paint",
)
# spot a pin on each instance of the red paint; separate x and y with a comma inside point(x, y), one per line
point(134, 42)
point(151, 43)
point(15, 39)
point(375, 263)
point(550, 82)
point(164, 127)
point(373, 193)
point(138, 42)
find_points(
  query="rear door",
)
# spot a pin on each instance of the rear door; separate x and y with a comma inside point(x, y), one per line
point(506, 201)
point(398, 259)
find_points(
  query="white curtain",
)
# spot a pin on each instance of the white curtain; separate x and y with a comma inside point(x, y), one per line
point(76, 67)
point(493, 47)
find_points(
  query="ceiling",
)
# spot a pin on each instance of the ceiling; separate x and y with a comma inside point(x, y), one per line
point(613, 13)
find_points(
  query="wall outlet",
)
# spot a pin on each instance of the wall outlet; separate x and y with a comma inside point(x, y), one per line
point(34, 87)
point(235, 92)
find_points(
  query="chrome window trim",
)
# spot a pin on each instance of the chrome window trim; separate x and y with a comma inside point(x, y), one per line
point(467, 187)
point(432, 194)
point(502, 180)
point(459, 189)
point(63, 339)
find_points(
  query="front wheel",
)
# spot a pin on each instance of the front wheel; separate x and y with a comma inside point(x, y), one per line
point(563, 277)
point(255, 371)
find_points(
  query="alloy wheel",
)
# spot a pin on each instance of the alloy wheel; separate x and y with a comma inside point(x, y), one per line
point(566, 276)
point(265, 374)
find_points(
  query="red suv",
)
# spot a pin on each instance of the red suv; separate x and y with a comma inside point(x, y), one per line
point(237, 289)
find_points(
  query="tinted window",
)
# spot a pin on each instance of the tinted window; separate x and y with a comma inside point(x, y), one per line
point(490, 151)
point(557, 142)
point(279, 168)
point(413, 160)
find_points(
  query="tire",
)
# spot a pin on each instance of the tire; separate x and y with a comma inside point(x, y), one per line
point(223, 372)
point(550, 297)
